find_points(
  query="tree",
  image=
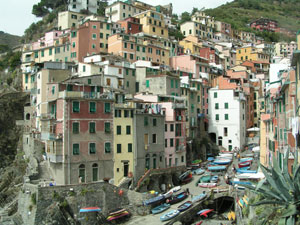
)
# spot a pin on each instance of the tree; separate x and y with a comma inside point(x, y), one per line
point(195, 10)
point(185, 16)
point(101, 9)
point(45, 6)
point(39, 10)
point(280, 189)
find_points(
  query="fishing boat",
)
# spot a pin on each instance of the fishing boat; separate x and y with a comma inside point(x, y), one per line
point(207, 185)
point(154, 200)
point(171, 192)
point(177, 198)
point(210, 159)
point(184, 206)
point(188, 179)
point(216, 168)
point(245, 171)
point(198, 171)
point(220, 189)
point(184, 175)
point(214, 179)
point(245, 168)
point(119, 213)
point(250, 176)
point(244, 164)
point(204, 212)
point(241, 182)
point(90, 209)
point(197, 161)
point(198, 198)
point(246, 159)
point(222, 161)
point(169, 215)
point(203, 179)
point(160, 208)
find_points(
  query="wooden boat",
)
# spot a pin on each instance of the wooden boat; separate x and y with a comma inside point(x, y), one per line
point(187, 180)
point(207, 185)
point(160, 208)
point(246, 159)
point(203, 179)
point(116, 211)
point(241, 182)
point(204, 212)
point(250, 176)
point(210, 159)
point(184, 206)
point(198, 171)
point(118, 214)
point(171, 192)
point(214, 179)
point(216, 168)
point(198, 198)
point(197, 161)
point(154, 200)
point(220, 189)
point(244, 164)
point(245, 171)
point(90, 209)
point(184, 175)
point(169, 215)
point(177, 198)
point(245, 168)
point(222, 161)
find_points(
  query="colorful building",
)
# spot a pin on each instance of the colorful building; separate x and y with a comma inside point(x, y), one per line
point(131, 25)
point(252, 54)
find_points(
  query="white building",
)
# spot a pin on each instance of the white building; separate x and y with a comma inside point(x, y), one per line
point(120, 11)
point(78, 5)
point(227, 118)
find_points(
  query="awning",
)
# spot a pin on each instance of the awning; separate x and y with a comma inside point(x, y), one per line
point(90, 209)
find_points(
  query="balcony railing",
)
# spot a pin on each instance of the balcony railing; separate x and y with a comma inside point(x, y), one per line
point(180, 148)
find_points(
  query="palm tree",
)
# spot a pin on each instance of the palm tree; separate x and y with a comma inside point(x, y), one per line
point(280, 188)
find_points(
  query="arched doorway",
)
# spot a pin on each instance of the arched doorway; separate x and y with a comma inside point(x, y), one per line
point(213, 137)
point(95, 172)
point(28, 116)
point(82, 173)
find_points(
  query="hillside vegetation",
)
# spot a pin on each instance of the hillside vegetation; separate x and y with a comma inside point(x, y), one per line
point(8, 41)
point(240, 13)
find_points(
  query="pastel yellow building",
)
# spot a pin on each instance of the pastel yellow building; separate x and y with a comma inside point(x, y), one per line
point(191, 45)
point(251, 53)
point(68, 19)
point(123, 141)
point(153, 23)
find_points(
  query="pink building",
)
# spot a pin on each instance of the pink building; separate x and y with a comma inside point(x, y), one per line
point(191, 64)
point(78, 133)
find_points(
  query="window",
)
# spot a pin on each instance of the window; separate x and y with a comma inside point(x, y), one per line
point(138, 48)
point(131, 46)
point(101, 35)
point(217, 117)
point(125, 55)
point(92, 127)
point(131, 56)
point(166, 127)
point(154, 122)
point(107, 147)
point(215, 94)
point(50, 51)
point(226, 105)
point(128, 130)
point(154, 138)
point(126, 113)
point(129, 147)
point(107, 107)
point(225, 131)
point(119, 148)
point(144, 49)
point(76, 149)
point(147, 83)
point(107, 35)
point(92, 107)
point(95, 171)
point(75, 128)
point(92, 148)
point(166, 143)
point(119, 129)
point(145, 121)
point(216, 105)
point(171, 142)
point(172, 83)
point(107, 127)
point(93, 46)
point(226, 116)
point(172, 127)
point(125, 45)
point(107, 26)
point(76, 107)
point(94, 36)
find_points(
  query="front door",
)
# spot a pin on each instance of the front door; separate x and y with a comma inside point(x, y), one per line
point(126, 169)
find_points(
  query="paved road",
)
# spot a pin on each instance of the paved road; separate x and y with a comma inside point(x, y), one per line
point(155, 219)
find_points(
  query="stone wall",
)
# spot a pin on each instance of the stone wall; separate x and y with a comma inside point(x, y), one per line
point(69, 199)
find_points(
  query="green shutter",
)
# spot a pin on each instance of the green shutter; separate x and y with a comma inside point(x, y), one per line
point(147, 83)
point(215, 94)
point(216, 105)
point(119, 130)
point(92, 148)
point(107, 147)
point(107, 108)
point(226, 117)
point(75, 149)
point(119, 148)
point(92, 127)
point(107, 127)
point(76, 107)
point(26, 78)
point(217, 116)
point(92, 107)
point(128, 130)
point(176, 83)
point(226, 105)
point(145, 121)
point(172, 83)
point(129, 147)
point(76, 128)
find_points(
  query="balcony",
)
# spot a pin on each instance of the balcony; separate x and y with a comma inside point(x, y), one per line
point(47, 116)
point(55, 158)
point(180, 148)
point(87, 95)
point(50, 136)
point(178, 106)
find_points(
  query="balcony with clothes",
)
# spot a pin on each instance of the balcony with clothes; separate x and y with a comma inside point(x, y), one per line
point(180, 145)
point(149, 108)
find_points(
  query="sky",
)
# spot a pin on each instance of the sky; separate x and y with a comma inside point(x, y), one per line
point(15, 15)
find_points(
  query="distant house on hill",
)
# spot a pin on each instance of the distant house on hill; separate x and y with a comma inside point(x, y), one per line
point(264, 24)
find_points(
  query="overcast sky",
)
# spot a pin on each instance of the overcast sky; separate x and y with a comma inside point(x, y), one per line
point(15, 15)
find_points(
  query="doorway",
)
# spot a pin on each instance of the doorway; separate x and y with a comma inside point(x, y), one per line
point(126, 169)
